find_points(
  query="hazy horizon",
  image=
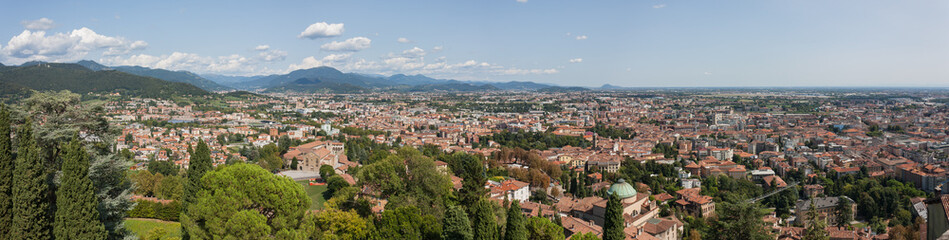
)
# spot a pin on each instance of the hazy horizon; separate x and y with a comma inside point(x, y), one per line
point(628, 44)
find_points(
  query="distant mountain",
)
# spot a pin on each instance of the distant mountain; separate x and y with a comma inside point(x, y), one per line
point(562, 89)
point(452, 87)
point(317, 85)
point(335, 81)
point(79, 79)
point(226, 80)
point(244, 95)
point(167, 75)
point(513, 85)
point(94, 66)
point(413, 80)
point(611, 87)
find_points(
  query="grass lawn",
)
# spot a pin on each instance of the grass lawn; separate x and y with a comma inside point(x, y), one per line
point(141, 227)
point(860, 224)
point(315, 193)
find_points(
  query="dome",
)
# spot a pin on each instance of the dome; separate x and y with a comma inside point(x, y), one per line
point(622, 189)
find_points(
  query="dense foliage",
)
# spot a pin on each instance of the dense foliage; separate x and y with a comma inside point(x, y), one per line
point(6, 174)
point(613, 132)
point(31, 205)
point(76, 214)
point(245, 201)
point(534, 140)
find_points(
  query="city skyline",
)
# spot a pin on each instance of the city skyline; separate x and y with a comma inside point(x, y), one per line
point(630, 44)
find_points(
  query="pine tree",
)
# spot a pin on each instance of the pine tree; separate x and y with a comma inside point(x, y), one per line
point(31, 208)
point(516, 223)
point(199, 164)
point(456, 225)
point(76, 214)
point(613, 224)
point(483, 221)
point(843, 212)
point(6, 175)
point(815, 226)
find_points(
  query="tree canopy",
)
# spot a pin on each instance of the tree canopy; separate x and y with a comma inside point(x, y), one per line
point(244, 201)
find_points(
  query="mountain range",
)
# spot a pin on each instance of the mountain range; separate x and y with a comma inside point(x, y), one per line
point(167, 75)
point(80, 79)
point(90, 76)
point(327, 79)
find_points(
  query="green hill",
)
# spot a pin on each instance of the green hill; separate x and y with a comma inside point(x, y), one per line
point(79, 79)
point(167, 75)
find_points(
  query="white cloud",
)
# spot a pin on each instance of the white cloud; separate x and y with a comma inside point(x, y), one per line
point(403, 40)
point(659, 6)
point(576, 60)
point(272, 55)
point(522, 1)
point(38, 24)
point(352, 44)
point(332, 60)
point(582, 37)
point(322, 30)
point(437, 49)
point(708, 73)
point(337, 57)
point(230, 64)
point(414, 53)
point(516, 71)
point(308, 62)
point(63, 47)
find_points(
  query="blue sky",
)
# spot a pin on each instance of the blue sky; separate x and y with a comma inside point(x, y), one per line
point(645, 43)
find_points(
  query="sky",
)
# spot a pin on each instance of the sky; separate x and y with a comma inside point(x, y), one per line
point(631, 43)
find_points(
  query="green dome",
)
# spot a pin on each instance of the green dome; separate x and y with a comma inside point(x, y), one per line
point(622, 189)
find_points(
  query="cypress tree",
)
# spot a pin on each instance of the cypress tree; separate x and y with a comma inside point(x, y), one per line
point(613, 224)
point(516, 223)
point(483, 221)
point(76, 213)
point(199, 164)
point(31, 208)
point(6, 175)
point(456, 225)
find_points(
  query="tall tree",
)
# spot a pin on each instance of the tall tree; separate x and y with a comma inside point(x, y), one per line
point(237, 202)
point(614, 224)
point(738, 218)
point(815, 226)
point(543, 229)
point(456, 224)
point(76, 202)
point(270, 157)
point(473, 175)
point(31, 207)
point(336, 224)
point(516, 223)
point(199, 164)
point(483, 221)
point(59, 117)
point(108, 175)
point(584, 236)
point(6, 174)
point(407, 223)
point(843, 212)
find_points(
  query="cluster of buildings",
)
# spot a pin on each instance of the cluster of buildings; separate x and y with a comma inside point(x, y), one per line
point(763, 137)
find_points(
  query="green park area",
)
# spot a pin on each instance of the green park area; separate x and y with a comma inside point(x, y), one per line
point(152, 228)
point(315, 193)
